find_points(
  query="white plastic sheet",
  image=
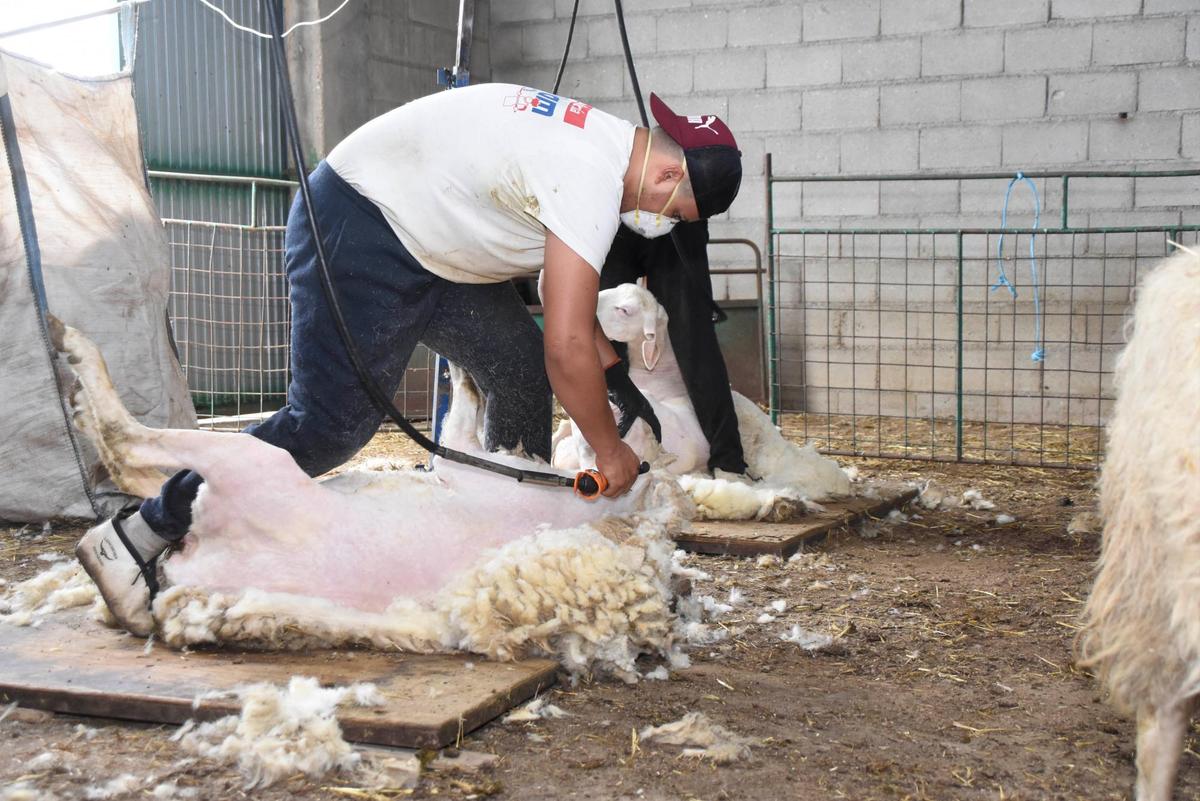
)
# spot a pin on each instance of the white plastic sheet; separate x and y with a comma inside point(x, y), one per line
point(106, 266)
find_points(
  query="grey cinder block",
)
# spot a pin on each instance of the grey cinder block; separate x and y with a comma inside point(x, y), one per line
point(977, 52)
point(1092, 93)
point(826, 109)
point(960, 147)
point(919, 16)
point(1142, 41)
point(1006, 98)
point(841, 19)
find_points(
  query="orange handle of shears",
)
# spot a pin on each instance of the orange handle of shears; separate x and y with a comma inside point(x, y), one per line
point(591, 484)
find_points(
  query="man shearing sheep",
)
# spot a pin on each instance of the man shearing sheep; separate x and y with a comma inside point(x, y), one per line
point(426, 212)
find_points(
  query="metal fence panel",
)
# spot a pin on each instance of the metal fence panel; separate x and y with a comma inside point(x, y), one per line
point(231, 321)
point(905, 342)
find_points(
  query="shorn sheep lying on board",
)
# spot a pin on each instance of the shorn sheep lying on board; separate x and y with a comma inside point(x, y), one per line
point(1142, 620)
point(456, 558)
point(788, 473)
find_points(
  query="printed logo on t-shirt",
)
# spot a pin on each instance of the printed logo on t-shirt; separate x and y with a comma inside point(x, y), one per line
point(545, 104)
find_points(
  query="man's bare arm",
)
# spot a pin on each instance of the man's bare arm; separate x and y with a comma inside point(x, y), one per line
point(569, 288)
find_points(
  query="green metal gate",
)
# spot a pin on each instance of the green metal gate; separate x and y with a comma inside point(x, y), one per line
point(903, 341)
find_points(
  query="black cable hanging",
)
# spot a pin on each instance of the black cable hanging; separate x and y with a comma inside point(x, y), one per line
point(562, 65)
point(585, 483)
point(637, 89)
point(676, 236)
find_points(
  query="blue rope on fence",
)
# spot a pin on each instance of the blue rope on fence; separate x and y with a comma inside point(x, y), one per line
point(1039, 352)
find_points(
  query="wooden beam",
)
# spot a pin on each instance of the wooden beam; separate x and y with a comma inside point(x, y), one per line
point(71, 664)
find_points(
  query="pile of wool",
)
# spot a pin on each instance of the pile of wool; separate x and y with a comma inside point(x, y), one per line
point(701, 738)
point(729, 497)
point(280, 732)
point(781, 463)
point(280, 621)
point(595, 597)
point(63, 586)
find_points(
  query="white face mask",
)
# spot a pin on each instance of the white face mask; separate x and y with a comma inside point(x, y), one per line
point(654, 225)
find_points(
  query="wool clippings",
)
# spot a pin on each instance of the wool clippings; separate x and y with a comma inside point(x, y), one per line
point(811, 641)
point(701, 738)
point(537, 709)
point(281, 731)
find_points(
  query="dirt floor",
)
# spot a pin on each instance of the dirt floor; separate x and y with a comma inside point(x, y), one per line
point(950, 677)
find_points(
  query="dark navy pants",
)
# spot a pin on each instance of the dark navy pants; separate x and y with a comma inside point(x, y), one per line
point(390, 303)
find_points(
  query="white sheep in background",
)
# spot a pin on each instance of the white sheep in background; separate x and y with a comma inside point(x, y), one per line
point(1142, 620)
point(788, 472)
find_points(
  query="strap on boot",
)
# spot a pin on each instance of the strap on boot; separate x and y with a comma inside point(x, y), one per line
point(149, 569)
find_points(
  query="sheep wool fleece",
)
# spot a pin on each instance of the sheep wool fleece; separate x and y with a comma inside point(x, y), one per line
point(391, 303)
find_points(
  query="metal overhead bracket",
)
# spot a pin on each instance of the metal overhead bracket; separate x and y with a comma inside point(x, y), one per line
point(460, 74)
point(452, 78)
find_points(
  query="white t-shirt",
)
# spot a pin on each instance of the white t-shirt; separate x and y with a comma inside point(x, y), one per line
point(471, 179)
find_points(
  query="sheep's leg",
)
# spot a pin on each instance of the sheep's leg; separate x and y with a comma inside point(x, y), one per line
point(1160, 732)
point(124, 444)
point(462, 425)
point(132, 453)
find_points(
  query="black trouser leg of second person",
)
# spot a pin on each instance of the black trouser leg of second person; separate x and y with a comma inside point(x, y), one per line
point(685, 292)
point(486, 330)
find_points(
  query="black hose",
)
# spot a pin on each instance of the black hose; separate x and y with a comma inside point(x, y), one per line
point(637, 90)
point(562, 65)
point(676, 239)
point(378, 397)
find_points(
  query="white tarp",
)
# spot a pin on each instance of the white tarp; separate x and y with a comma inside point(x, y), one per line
point(106, 266)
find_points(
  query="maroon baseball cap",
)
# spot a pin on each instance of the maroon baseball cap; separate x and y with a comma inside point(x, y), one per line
point(714, 162)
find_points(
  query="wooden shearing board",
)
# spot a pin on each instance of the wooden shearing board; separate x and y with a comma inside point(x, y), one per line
point(71, 664)
point(756, 538)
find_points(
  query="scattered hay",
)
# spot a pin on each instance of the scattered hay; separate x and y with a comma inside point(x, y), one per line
point(1085, 523)
point(1019, 443)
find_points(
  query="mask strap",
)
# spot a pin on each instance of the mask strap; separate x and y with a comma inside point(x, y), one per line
point(671, 197)
point(637, 206)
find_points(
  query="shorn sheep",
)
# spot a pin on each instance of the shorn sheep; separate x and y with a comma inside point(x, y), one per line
point(1142, 620)
point(456, 558)
point(788, 473)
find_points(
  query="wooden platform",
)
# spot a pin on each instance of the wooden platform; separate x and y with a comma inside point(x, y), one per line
point(754, 538)
point(71, 664)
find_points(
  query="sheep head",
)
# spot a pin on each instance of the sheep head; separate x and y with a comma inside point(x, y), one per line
point(630, 314)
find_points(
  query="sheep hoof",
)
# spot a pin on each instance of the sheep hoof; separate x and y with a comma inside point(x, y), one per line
point(782, 510)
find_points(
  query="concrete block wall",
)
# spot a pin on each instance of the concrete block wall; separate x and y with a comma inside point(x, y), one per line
point(862, 86)
point(373, 56)
point(850, 87)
